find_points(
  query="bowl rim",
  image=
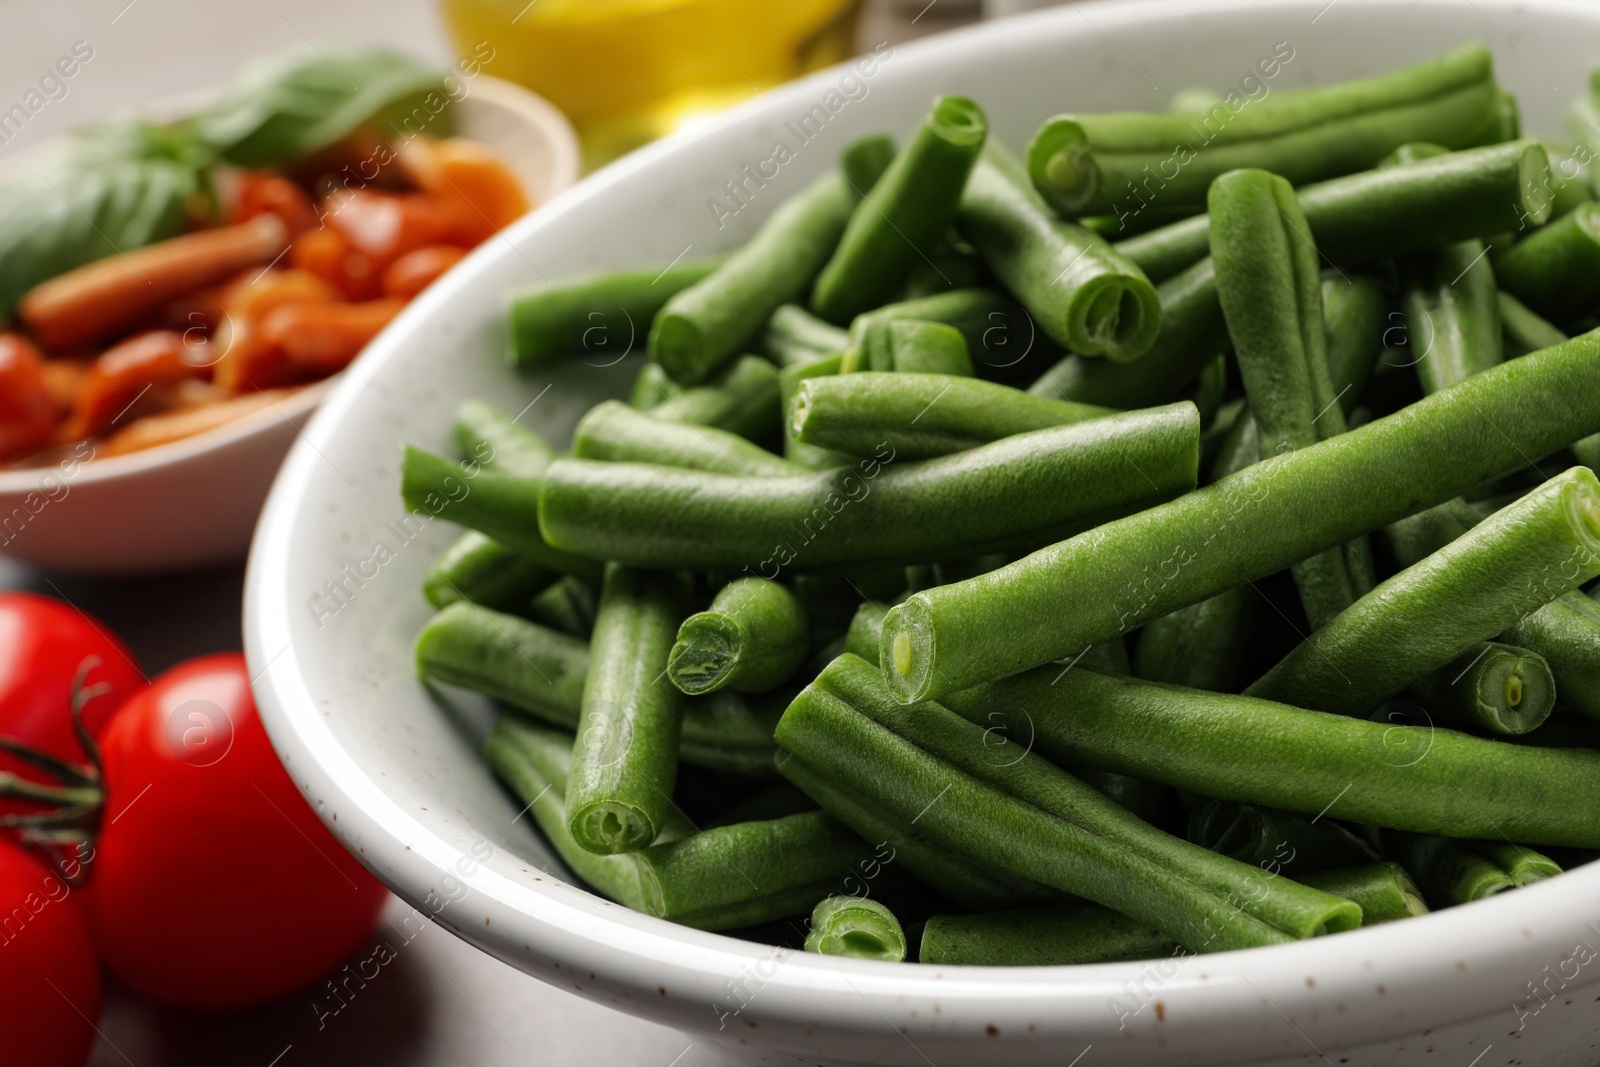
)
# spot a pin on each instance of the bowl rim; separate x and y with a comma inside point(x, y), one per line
point(539, 924)
point(534, 109)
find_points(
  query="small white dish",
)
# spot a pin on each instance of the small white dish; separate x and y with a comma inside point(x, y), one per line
point(332, 606)
point(194, 502)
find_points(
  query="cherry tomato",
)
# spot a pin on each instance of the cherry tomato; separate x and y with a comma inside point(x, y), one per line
point(213, 883)
point(123, 373)
point(265, 193)
point(49, 980)
point(385, 226)
point(323, 338)
point(475, 191)
point(330, 256)
point(247, 361)
point(27, 411)
point(43, 643)
point(415, 271)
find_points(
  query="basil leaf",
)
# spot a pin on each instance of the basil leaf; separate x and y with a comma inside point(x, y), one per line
point(291, 104)
point(105, 192)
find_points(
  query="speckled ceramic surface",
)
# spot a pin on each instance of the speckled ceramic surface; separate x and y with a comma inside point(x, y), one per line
point(333, 604)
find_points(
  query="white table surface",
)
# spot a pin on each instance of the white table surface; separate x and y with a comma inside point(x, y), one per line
point(441, 1002)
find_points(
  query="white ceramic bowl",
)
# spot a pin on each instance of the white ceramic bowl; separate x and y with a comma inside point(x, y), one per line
point(195, 502)
point(400, 778)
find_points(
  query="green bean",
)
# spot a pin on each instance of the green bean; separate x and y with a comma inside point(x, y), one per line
point(1459, 872)
point(526, 665)
point(1524, 331)
point(485, 433)
point(1100, 164)
point(541, 671)
point(742, 399)
point(1024, 815)
point(1153, 802)
point(795, 336)
point(858, 927)
point(625, 761)
point(904, 214)
point(721, 878)
point(614, 431)
point(866, 630)
point(1109, 656)
point(1491, 687)
point(863, 162)
point(535, 761)
point(567, 607)
point(753, 637)
point(1556, 270)
point(1040, 937)
point(1394, 211)
point(953, 264)
point(732, 876)
point(1259, 521)
point(652, 387)
point(1192, 334)
point(1352, 316)
point(597, 313)
point(480, 569)
point(1271, 293)
point(1565, 633)
point(1081, 291)
point(921, 415)
point(959, 878)
point(1416, 537)
point(1210, 390)
point(1000, 333)
point(921, 347)
point(1384, 890)
point(502, 506)
point(808, 456)
point(703, 326)
point(1449, 300)
point(1334, 766)
point(1021, 491)
point(1200, 646)
point(1277, 841)
point(1512, 563)
point(1569, 179)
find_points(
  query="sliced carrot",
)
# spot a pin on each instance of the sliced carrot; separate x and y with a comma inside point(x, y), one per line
point(27, 410)
point(179, 423)
point(415, 271)
point(476, 190)
point(113, 294)
point(322, 338)
point(124, 373)
point(330, 256)
point(261, 192)
point(244, 362)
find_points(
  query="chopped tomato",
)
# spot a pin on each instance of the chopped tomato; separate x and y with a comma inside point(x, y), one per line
point(27, 409)
point(324, 337)
point(265, 193)
point(385, 226)
point(478, 194)
point(330, 256)
point(124, 373)
point(245, 361)
point(415, 271)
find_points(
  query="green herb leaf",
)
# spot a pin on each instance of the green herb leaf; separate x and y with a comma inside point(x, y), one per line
point(291, 104)
point(108, 190)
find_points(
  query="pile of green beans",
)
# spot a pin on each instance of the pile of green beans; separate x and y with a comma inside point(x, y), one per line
point(957, 586)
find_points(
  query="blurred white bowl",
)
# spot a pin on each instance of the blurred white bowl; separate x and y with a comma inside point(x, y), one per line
point(194, 502)
point(402, 781)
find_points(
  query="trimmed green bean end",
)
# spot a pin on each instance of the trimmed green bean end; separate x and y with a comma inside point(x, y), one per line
point(707, 648)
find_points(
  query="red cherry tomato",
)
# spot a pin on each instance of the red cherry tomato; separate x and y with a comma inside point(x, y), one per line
point(49, 980)
point(43, 643)
point(213, 883)
point(27, 412)
point(264, 193)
